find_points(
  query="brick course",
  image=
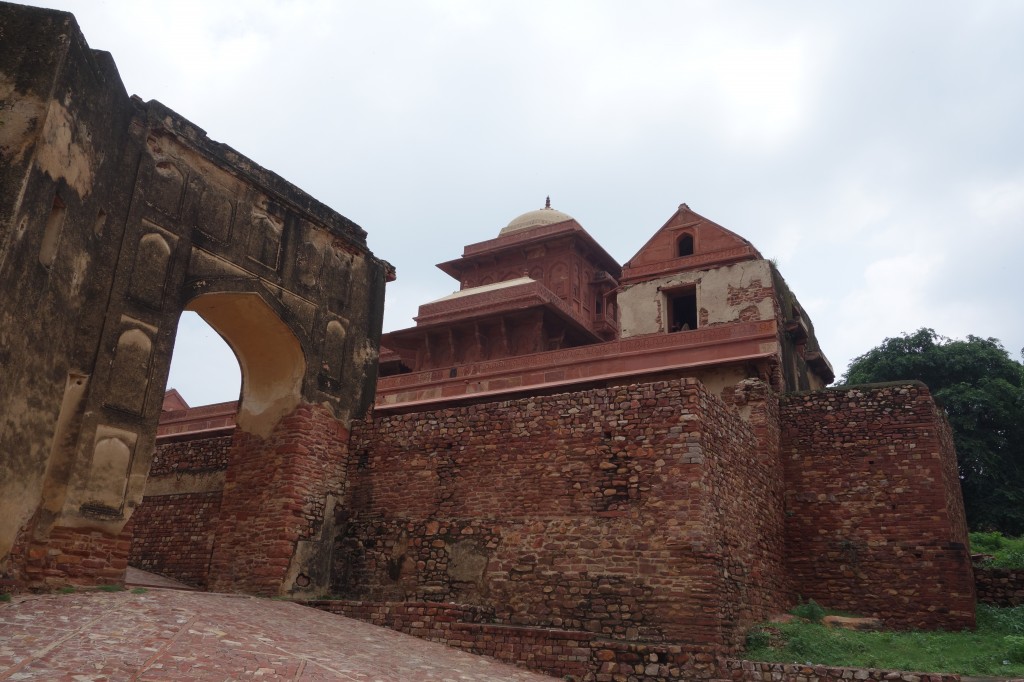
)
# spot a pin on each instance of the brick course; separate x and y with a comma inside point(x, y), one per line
point(173, 535)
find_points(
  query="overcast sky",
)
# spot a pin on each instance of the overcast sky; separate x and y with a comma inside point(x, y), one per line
point(874, 149)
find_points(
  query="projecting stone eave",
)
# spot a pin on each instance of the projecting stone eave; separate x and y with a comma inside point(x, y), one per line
point(526, 238)
point(492, 301)
point(713, 246)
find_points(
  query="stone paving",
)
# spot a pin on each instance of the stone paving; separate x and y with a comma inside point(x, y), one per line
point(170, 635)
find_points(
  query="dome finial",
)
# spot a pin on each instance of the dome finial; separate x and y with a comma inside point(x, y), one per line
point(547, 202)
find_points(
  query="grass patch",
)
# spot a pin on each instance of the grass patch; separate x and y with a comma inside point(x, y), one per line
point(110, 588)
point(67, 589)
point(5, 597)
point(139, 590)
point(1006, 552)
point(995, 648)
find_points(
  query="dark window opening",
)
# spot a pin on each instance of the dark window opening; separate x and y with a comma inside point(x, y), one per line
point(682, 311)
point(685, 245)
point(599, 305)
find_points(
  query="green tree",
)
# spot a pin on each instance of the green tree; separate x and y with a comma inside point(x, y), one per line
point(981, 389)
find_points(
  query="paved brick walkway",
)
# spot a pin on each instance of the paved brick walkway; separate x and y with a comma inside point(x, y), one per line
point(174, 635)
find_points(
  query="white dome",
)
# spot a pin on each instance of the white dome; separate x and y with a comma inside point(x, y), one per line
point(542, 216)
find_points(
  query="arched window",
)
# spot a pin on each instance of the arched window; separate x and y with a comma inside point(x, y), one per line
point(684, 247)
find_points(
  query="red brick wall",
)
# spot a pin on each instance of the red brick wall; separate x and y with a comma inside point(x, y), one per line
point(275, 495)
point(874, 520)
point(75, 556)
point(173, 535)
point(626, 512)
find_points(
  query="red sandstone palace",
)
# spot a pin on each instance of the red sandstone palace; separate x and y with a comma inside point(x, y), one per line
point(543, 307)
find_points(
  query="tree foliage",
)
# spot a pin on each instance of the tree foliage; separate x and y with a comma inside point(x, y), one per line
point(981, 389)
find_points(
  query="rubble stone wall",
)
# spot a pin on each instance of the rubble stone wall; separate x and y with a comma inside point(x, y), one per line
point(567, 654)
point(999, 586)
point(610, 511)
point(874, 521)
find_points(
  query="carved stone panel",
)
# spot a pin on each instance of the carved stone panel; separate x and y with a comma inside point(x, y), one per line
point(129, 370)
point(165, 188)
point(334, 350)
point(310, 261)
point(150, 268)
point(304, 310)
point(214, 213)
point(265, 228)
point(337, 274)
point(108, 478)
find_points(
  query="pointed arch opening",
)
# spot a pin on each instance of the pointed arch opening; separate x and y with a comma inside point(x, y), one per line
point(269, 356)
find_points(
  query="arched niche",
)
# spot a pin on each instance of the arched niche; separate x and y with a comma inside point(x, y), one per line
point(684, 245)
point(269, 355)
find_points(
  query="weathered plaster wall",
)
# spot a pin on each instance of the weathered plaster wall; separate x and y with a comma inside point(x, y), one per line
point(804, 366)
point(874, 520)
point(115, 215)
point(63, 133)
point(734, 293)
point(603, 510)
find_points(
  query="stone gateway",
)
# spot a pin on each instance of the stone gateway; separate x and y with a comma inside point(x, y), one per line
point(116, 215)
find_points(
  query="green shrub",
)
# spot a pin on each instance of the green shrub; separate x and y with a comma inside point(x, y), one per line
point(986, 542)
point(111, 588)
point(810, 610)
point(67, 589)
point(1006, 552)
point(1013, 558)
point(5, 597)
point(1014, 648)
point(1005, 620)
